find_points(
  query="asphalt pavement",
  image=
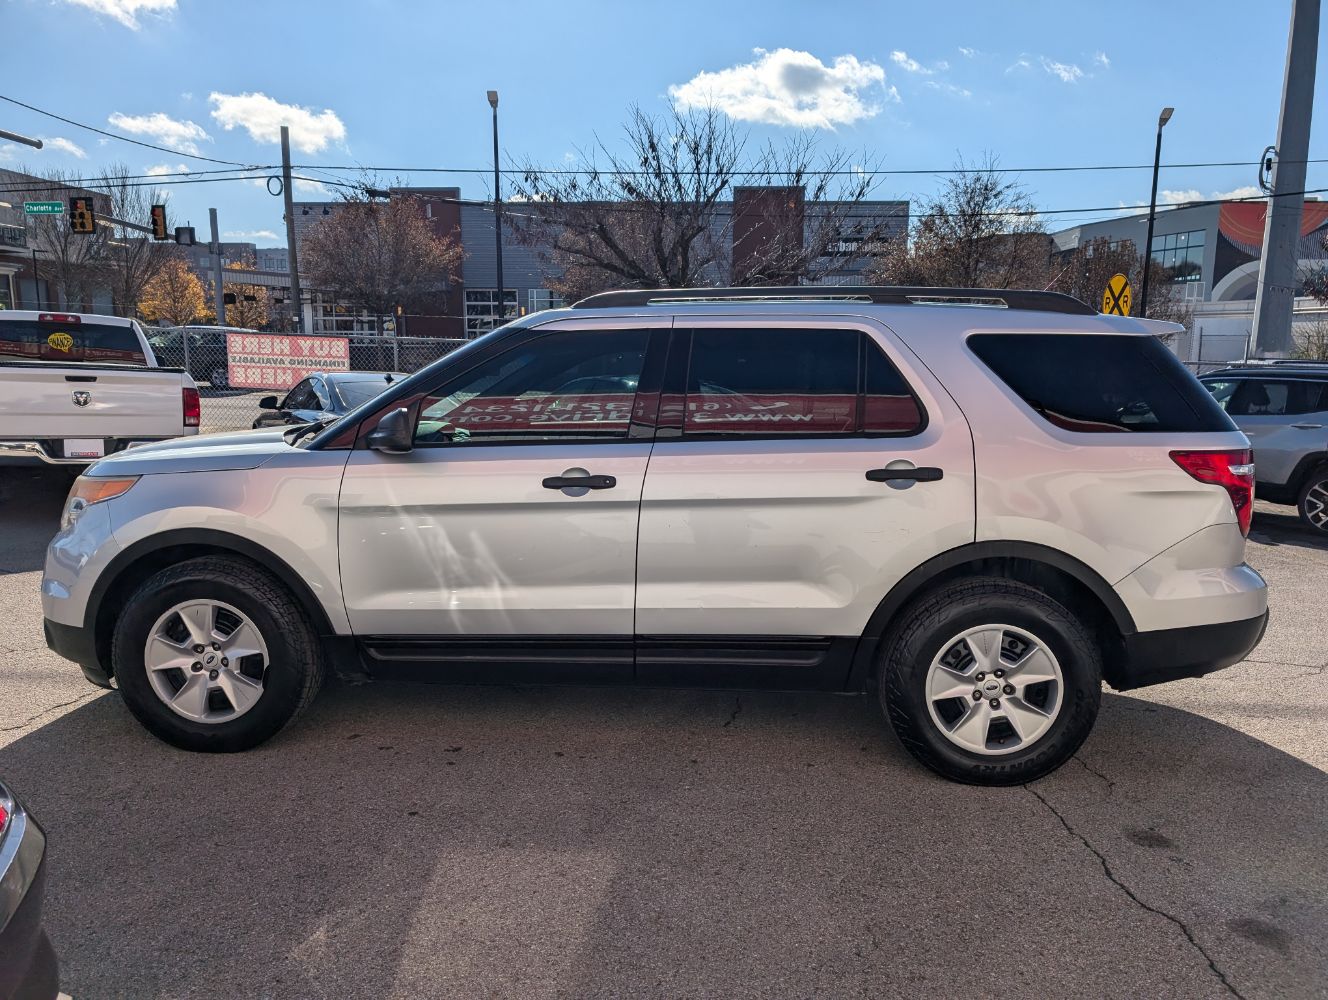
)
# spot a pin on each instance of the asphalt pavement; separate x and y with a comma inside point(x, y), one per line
point(427, 841)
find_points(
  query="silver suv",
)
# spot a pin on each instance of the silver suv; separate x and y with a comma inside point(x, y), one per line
point(1283, 408)
point(976, 504)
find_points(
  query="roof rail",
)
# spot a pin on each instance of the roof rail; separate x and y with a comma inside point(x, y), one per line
point(1001, 298)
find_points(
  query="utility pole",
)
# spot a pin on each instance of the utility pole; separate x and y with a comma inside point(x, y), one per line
point(218, 299)
point(497, 214)
point(291, 261)
point(1275, 298)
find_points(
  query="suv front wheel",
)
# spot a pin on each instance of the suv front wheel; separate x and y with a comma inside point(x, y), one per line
point(215, 655)
point(990, 681)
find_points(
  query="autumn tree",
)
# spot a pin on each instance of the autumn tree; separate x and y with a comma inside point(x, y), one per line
point(662, 212)
point(174, 295)
point(250, 307)
point(378, 256)
point(980, 230)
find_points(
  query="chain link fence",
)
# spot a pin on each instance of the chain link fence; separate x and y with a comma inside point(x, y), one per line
point(236, 369)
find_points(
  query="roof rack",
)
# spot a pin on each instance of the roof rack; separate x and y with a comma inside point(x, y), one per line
point(1001, 298)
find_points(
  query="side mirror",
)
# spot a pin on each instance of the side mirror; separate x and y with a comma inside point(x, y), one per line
point(268, 403)
point(393, 434)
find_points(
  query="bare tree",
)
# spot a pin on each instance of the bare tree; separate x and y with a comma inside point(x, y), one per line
point(662, 212)
point(980, 231)
point(130, 260)
point(379, 256)
point(1085, 271)
point(72, 261)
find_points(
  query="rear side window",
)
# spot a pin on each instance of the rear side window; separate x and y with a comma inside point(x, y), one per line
point(100, 343)
point(1097, 383)
point(1268, 398)
point(789, 382)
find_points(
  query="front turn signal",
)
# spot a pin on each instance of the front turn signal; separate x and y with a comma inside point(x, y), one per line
point(88, 490)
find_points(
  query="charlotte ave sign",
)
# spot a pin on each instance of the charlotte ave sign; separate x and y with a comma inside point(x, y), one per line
point(44, 208)
point(278, 361)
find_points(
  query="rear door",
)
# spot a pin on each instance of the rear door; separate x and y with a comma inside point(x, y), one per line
point(1285, 419)
point(770, 515)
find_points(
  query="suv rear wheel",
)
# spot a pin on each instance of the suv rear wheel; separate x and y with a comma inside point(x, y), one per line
point(991, 681)
point(215, 655)
point(1312, 504)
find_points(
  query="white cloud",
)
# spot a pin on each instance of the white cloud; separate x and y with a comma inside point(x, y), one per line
point(262, 117)
point(950, 88)
point(1021, 63)
point(67, 146)
point(967, 52)
point(787, 87)
point(7, 152)
point(1065, 72)
point(1194, 194)
point(1101, 59)
point(126, 11)
point(908, 65)
point(250, 235)
point(182, 136)
point(165, 169)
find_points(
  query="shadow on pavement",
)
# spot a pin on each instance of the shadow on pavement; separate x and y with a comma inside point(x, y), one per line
point(409, 840)
point(30, 503)
point(1278, 525)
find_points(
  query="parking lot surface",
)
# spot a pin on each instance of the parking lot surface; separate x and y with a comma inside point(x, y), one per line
point(418, 841)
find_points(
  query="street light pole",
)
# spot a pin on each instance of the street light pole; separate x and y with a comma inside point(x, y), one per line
point(1162, 120)
point(15, 137)
point(497, 213)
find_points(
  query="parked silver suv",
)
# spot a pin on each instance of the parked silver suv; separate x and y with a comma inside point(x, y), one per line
point(978, 504)
point(1283, 409)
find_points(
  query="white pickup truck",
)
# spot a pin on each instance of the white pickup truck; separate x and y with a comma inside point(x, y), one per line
point(75, 387)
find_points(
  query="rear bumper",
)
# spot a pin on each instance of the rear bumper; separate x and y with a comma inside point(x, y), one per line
point(1170, 654)
point(50, 451)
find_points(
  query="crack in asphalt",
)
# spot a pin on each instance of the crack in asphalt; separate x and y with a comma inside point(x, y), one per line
point(47, 711)
point(1111, 785)
point(1111, 877)
point(737, 708)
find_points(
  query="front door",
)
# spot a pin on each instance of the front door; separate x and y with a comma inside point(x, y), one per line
point(1285, 419)
point(800, 471)
point(515, 514)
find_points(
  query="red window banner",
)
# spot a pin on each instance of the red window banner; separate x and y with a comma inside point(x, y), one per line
point(278, 361)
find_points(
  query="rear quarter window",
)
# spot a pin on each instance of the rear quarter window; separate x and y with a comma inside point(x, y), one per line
point(1101, 383)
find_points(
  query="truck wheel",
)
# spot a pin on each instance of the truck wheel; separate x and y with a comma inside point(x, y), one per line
point(218, 378)
point(215, 655)
point(1312, 504)
point(990, 681)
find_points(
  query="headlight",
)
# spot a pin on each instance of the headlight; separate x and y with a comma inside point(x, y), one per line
point(87, 491)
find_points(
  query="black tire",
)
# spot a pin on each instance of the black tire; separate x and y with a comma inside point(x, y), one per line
point(293, 676)
point(218, 378)
point(937, 618)
point(1316, 482)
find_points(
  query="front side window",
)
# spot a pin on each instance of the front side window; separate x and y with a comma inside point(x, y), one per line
point(569, 385)
point(791, 382)
point(1094, 383)
point(301, 397)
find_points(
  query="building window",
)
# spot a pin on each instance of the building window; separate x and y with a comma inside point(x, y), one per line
point(538, 299)
point(482, 309)
point(1181, 254)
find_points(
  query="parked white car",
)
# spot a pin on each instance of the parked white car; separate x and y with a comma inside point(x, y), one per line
point(978, 505)
point(75, 387)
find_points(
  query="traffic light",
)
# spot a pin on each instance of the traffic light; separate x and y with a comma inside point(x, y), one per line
point(159, 223)
point(228, 298)
point(81, 219)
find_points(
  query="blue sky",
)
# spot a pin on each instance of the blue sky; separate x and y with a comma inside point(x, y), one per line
point(391, 83)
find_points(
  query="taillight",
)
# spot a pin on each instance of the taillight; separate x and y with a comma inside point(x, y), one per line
point(193, 409)
point(1233, 470)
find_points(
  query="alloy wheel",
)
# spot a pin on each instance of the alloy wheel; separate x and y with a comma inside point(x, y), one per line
point(1314, 505)
point(994, 689)
point(206, 661)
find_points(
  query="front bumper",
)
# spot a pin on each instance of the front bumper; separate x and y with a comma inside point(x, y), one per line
point(1170, 654)
point(28, 968)
point(74, 642)
point(50, 451)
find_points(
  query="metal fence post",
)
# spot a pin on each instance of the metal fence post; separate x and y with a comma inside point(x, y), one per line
point(396, 354)
point(184, 341)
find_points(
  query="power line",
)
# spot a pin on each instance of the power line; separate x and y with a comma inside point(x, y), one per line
point(121, 138)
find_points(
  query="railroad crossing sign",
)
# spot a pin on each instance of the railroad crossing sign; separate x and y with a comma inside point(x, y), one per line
point(44, 207)
point(1116, 298)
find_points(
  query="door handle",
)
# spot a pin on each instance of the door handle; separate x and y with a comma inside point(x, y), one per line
point(924, 474)
point(1307, 427)
point(580, 483)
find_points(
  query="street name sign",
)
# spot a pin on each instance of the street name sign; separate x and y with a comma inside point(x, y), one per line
point(44, 208)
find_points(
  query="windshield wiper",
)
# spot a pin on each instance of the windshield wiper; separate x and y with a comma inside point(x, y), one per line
point(294, 435)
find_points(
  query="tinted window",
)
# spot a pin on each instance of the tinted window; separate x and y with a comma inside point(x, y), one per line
point(888, 407)
point(577, 386)
point(1266, 398)
point(753, 381)
point(28, 340)
point(1097, 382)
point(352, 394)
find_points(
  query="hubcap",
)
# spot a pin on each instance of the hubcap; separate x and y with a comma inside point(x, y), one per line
point(994, 689)
point(1315, 505)
point(206, 660)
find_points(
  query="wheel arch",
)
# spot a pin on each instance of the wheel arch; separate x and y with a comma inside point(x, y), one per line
point(140, 560)
point(1062, 576)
